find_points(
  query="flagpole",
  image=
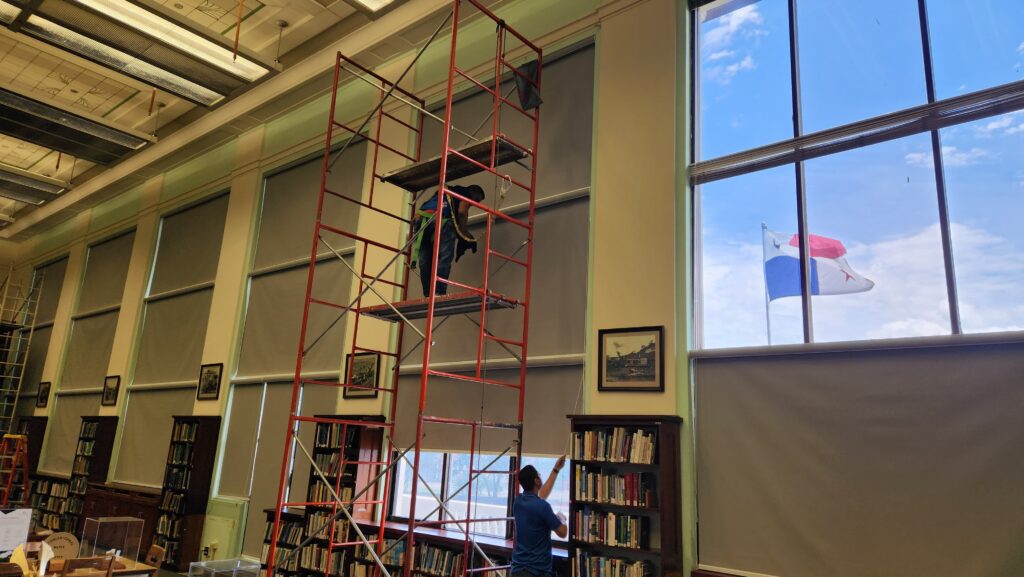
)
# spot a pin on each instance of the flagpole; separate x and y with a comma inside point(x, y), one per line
point(767, 299)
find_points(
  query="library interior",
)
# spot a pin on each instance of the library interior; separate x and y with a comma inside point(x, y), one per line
point(270, 268)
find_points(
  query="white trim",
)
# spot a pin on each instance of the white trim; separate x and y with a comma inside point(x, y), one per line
point(567, 360)
point(733, 571)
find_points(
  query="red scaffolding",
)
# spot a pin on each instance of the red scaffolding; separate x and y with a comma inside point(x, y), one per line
point(396, 125)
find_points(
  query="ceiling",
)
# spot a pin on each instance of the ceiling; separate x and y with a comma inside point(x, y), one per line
point(70, 112)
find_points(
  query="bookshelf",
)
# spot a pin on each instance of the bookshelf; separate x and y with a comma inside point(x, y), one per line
point(346, 463)
point(35, 429)
point(92, 460)
point(624, 496)
point(292, 533)
point(50, 504)
point(186, 489)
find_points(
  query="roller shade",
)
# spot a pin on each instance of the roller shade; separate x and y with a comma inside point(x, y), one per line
point(550, 395)
point(565, 137)
point(270, 450)
point(106, 268)
point(173, 332)
point(189, 246)
point(53, 281)
point(289, 207)
point(273, 320)
point(147, 433)
point(37, 350)
point(242, 427)
point(62, 437)
point(88, 354)
point(899, 462)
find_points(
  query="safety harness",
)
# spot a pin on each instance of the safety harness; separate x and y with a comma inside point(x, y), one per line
point(423, 215)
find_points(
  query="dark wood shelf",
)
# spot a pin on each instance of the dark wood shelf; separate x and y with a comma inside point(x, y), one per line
point(614, 507)
point(616, 548)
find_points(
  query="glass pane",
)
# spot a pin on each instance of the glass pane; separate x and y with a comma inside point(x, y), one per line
point(976, 44)
point(736, 217)
point(858, 60)
point(559, 497)
point(985, 186)
point(490, 492)
point(431, 471)
point(878, 262)
point(744, 83)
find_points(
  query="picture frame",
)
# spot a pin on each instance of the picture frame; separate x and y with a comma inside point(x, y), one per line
point(209, 382)
point(631, 359)
point(43, 397)
point(111, 388)
point(365, 372)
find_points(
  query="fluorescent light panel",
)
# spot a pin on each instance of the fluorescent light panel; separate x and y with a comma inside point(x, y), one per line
point(173, 34)
point(8, 12)
point(371, 5)
point(118, 60)
point(25, 187)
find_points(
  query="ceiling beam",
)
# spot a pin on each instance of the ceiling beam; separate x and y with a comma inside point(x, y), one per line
point(28, 10)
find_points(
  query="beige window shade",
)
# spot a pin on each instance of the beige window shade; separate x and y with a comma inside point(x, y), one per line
point(269, 451)
point(564, 140)
point(147, 433)
point(106, 268)
point(26, 405)
point(273, 320)
point(289, 207)
point(879, 463)
point(65, 425)
point(551, 394)
point(53, 281)
point(88, 354)
point(242, 427)
point(173, 332)
point(189, 246)
point(36, 358)
point(559, 293)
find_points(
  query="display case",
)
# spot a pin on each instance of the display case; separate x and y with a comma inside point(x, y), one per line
point(123, 535)
point(224, 568)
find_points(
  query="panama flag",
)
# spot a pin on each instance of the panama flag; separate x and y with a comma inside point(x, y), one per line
point(830, 273)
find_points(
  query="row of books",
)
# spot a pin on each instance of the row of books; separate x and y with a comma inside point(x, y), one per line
point(79, 484)
point(57, 522)
point(85, 447)
point(180, 454)
point(315, 521)
point(394, 552)
point(81, 465)
point(284, 559)
point(169, 525)
point(52, 488)
point(322, 559)
point(322, 493)
point(585, 564)
point(184, 431)
point(56, 505)
point(630, 489)
point(330, 464)
point(89, 429)
point(75, 506)
point(613, 529)
point(290, 533)
point(328, 435)
point(172, 502)
point(178, 478)
point(433, 560)
point(615, 445)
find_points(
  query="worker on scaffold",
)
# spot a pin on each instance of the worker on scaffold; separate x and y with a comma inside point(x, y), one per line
point(455, 236)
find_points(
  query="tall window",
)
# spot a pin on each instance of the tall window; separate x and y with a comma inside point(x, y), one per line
point(842, 193)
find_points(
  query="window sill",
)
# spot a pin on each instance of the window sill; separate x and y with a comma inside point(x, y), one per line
point(488, 544)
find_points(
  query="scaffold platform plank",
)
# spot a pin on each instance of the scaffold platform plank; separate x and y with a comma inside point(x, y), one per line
point(454, 304)
point(427, 173)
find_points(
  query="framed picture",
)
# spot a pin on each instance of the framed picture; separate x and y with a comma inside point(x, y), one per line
point(111, 386)
point(631, 359)
point(365, 370)
point(44, 395)
point(209, 382)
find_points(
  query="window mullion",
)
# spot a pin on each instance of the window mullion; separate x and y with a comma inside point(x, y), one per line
point(801, 191)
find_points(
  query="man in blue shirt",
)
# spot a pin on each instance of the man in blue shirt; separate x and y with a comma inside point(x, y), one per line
point(535, 521)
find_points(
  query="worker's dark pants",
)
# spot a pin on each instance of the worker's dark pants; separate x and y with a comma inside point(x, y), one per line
point(445, 254)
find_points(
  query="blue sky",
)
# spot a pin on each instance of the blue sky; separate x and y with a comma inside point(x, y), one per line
point(860, 59)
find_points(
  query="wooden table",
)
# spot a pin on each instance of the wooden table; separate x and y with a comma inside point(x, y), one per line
point(122, 568)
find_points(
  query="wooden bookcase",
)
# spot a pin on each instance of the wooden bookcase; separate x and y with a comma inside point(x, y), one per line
point(624, 495)
point(35, 429)
point(292, 533)
point(186, 489)
point(50, 504)
point(92, 460)
point(360, 447)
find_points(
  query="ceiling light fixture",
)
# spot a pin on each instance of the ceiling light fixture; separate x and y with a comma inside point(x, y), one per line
point(8, 12)
point(173, 34)
point(370, 6)
point(27, 187)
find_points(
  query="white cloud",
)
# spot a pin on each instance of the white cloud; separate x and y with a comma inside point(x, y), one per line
point(1021, 48)
point(909, 297)
point(951, 156)
point(962, 87)
point(1007, 124)
point(725, 74)
point(722, 54)
point(744, 20)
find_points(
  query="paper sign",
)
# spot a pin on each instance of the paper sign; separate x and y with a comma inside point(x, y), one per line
point(14, 529)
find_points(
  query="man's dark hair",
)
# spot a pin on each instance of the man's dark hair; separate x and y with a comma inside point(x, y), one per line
point(527, 478)
point(473, 192)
